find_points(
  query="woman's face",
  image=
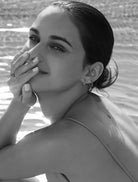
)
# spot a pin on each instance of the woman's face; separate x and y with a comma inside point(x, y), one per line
point(56, 42)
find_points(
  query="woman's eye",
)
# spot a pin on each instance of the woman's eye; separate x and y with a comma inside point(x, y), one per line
point(57, 48)
point(34, 39)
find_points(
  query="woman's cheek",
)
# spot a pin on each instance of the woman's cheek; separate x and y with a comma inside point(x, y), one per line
point(66, 73)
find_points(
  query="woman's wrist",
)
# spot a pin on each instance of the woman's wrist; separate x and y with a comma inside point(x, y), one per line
point(19, 105)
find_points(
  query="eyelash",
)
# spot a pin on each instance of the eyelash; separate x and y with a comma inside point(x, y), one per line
point(57, 47)
point(54, 46)
point(34, 39)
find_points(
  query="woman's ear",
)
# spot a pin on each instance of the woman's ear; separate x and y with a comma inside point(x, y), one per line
point(92, 72)
point(96, 70)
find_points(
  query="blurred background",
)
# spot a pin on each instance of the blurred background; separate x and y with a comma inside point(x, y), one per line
point(17, 15)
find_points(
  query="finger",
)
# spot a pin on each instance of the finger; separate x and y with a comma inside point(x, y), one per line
point(26, 67)
point(26, 93)
point(20, 61)
point(18, 54)
point(22, 51)
point(15, 83)
point(34, 51)
point(14, 86)
point(22, 79)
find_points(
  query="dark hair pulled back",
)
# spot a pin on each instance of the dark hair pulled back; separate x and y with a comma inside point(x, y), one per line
point(96, 35)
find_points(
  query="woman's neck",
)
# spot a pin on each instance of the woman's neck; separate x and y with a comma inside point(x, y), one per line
point(55, 105)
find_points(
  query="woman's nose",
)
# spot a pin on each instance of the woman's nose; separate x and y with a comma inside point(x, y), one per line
point(36, 51)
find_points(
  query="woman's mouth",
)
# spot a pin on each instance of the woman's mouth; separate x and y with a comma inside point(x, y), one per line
point(42, 71)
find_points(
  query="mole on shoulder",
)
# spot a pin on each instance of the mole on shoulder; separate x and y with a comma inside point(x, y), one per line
point(109, 116)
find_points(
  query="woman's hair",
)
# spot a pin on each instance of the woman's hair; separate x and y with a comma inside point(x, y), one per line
point(96, 35)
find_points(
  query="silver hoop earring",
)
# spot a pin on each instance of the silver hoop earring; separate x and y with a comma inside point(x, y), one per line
point(88, 83)
point(90, 87)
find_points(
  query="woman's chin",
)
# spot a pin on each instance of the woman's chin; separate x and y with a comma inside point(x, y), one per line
point(38, 81)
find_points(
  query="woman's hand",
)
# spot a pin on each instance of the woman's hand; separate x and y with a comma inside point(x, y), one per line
point(23, 68)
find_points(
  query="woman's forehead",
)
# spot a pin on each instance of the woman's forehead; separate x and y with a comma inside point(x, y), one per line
point(56, 21)
point(51, 10)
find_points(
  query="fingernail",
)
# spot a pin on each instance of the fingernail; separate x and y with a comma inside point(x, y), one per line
point(35, 60)
point(27, 87)
point(26, 63)
point(35, 69)
point(25, 55)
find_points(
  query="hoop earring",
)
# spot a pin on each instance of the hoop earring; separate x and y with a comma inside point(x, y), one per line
point(88, 83)
point(90, 87)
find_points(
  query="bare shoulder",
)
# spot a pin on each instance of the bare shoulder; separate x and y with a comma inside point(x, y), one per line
point(40, 151)
point(119, 115)
point(113, 127)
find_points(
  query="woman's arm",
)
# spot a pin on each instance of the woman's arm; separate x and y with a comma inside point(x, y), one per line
point(39, 152)
point(23, 98)
point(10, 122)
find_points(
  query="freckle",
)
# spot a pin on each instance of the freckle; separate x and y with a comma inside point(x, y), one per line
point(109, 116)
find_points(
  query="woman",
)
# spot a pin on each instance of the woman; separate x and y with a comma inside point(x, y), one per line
point(89, 139)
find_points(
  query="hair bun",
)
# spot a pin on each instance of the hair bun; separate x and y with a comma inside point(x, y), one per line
point(107, 78)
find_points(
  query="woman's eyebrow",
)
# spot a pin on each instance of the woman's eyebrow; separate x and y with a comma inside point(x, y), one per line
point(34, 30)
point(55, 37)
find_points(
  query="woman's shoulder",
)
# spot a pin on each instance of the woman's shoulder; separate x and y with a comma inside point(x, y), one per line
point(120, 118)
point(107, 126)
point(113, 129)
point(121, 135)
